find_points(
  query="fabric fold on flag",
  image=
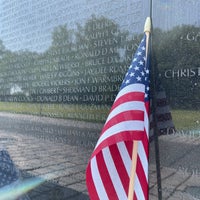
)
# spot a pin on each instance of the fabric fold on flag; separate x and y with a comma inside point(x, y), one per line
point(108, 170)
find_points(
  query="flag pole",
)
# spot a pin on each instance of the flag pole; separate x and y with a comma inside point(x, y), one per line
point(147, 30)
point(133, 171)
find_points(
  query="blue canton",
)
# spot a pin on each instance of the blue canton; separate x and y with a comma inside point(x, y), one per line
point(139, 70)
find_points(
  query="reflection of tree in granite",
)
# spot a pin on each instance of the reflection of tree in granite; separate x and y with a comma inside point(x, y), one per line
point(178, 61)
point(87, 65)
point(2, 49)
point(86, 58)
point(101, 57)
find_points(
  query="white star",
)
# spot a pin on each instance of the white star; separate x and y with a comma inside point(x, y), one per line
point(142, 73)
point(139, 53)
point(132, 74)
point(143, 48)
point(136, 68)
point(141, 62)
point(138, 78)
point(127, 81)
point(135, 59)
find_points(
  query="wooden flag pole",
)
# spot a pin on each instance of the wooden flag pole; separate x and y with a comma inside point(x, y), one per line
point(133, 171)
point(147, 29)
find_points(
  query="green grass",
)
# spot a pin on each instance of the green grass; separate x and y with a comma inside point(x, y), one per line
point(183, 119)
point(93, 113)
point(186, 119)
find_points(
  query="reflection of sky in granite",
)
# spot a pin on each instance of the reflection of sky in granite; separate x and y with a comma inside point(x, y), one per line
point(170, 13)
point(25, 24)
point(28, 24)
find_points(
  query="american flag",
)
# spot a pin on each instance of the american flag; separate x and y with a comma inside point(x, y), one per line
point(8, 172)
point(9, 178)
point(164, 123)
point(109, 168)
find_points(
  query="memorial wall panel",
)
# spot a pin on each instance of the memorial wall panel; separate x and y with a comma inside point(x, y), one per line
point(61, 66)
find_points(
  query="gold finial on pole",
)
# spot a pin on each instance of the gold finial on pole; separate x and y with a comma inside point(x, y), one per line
point(147, 31)
point(147, 25)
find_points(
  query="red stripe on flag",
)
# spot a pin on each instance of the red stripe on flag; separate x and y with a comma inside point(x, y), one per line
point(121, 136)
point(147, 107)
point(90, 184)
point(124, 116)
point(120, 166)
point(141, 176)
point(131, 96)
point(135, 197)
point(129, 147)
point(105, 176)
point(145, 143)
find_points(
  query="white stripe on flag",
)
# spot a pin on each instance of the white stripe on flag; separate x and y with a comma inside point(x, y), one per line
point(128, 106)
point(125, 156)
point(146, 123)
point(138, 189)
point(97, 180)
point(114, 174)
point(143, 158)
point(136, 87)
point(131, 125)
